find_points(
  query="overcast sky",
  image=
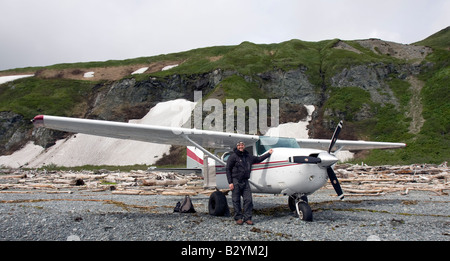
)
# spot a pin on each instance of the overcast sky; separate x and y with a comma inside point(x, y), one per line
point(46, 32)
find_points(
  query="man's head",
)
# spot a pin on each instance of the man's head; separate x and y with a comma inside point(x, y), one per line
point(240, 146)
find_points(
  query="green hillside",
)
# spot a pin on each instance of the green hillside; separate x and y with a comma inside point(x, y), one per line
point(372, 89)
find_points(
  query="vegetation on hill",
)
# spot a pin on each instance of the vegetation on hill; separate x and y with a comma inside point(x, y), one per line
point(386, 119)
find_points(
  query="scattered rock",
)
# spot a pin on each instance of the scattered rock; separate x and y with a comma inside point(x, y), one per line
point(397, 50)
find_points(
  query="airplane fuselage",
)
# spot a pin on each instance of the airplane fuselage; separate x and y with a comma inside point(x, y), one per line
point(279, 175)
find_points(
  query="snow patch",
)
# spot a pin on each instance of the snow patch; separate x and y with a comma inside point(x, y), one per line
point(298, 130)
point(140, 71)
point(168, 67)
point(83, 149)
point(344, 155)
point(88, 75)
point(5, 79)
point(21, 157)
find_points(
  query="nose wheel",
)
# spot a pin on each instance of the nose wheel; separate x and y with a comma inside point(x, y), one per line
point(299, 204)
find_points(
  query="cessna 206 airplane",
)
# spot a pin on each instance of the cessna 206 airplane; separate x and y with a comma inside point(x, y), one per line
point(296, 168)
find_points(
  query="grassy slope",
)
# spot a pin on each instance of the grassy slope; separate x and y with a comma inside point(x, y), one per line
point(31, 96)
point(432, 144)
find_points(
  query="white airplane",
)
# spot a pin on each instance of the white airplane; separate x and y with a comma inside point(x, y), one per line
point(296, 168)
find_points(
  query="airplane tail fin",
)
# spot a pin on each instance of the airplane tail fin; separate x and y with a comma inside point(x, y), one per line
point(196, 160)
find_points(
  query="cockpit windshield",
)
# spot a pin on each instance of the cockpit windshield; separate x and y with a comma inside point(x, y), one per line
point(266, 143)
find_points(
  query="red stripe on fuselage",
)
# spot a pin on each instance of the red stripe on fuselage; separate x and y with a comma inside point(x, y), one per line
point(194, 156)
point(265, 165)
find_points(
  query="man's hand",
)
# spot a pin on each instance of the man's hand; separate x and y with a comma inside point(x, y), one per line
point(271, 151)
point(231, 186)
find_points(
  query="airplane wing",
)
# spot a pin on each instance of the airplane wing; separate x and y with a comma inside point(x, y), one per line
point(323, 144)
point(185, 136)
point(147, 133)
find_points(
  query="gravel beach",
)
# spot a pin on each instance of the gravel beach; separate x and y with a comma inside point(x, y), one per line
point(103, 216)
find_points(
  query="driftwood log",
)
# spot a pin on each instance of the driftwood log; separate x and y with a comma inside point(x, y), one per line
point(132, 183)
point(356, 180)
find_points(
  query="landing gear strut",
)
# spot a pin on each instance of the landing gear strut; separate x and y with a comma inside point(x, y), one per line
point(299, 204)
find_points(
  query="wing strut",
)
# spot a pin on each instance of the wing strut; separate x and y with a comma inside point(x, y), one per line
point(204, 150)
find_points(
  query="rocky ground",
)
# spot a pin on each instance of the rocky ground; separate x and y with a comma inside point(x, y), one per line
point(387, 203)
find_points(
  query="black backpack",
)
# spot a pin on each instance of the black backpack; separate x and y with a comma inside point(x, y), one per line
point(185, 206)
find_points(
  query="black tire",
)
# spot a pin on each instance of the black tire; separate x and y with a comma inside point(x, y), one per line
point(217, 205)
point(305, 212)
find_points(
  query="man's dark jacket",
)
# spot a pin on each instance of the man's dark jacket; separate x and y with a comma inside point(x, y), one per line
point(239, 165)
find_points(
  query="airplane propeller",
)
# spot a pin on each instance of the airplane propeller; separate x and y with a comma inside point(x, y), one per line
point(325, 160)
point(330, 171)
point(334, 181)
point(335, 136)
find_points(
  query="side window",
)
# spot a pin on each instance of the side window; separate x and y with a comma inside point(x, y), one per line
point(226, 155)
point(266, 143)
point(260, 149)
point(257, 145)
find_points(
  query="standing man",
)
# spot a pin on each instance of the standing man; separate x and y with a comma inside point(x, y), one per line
point(239, 166)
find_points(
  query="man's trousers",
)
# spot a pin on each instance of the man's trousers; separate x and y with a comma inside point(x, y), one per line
point(242, 189)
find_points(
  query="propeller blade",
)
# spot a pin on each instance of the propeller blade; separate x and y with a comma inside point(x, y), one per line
point(306, 159)
point(335, 183)
point(335, 135)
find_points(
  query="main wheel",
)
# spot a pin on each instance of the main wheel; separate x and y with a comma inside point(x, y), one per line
point(217, 205)
point(304, 211)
